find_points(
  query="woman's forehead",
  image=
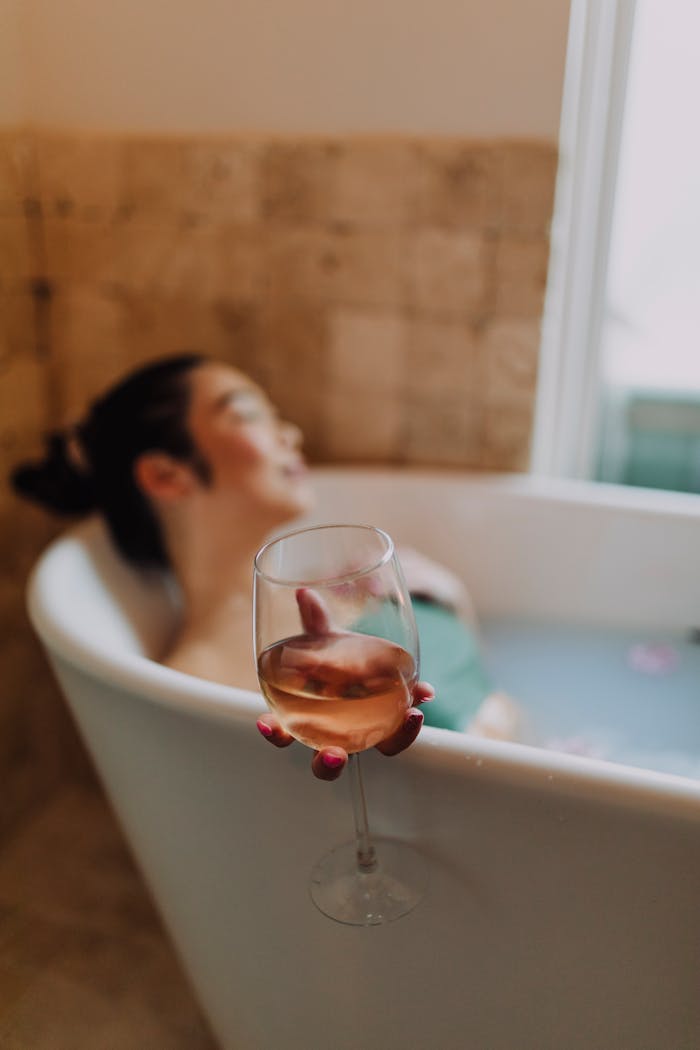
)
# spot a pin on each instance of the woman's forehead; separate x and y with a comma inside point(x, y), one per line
point(213, 381)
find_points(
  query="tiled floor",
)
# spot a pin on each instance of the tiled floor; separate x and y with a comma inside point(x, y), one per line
point(84, 962)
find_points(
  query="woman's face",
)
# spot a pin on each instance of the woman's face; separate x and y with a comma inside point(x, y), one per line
point(255, 459)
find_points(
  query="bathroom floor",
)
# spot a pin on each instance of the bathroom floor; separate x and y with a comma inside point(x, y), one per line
point(84, 961)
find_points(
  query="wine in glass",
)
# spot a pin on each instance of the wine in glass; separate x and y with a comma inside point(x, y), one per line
point(336, 648)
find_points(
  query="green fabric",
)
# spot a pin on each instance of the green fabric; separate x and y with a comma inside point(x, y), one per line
point(450, 659)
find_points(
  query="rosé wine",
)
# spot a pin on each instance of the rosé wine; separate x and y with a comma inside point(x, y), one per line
point(344, 689)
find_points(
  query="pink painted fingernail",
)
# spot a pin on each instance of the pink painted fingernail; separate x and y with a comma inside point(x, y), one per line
point(332, 761)
point(264, 728)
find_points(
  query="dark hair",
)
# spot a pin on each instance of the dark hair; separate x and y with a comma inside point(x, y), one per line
point(91, 466)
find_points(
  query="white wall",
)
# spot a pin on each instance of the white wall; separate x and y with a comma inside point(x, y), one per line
point(12, 71)
point(466, 67)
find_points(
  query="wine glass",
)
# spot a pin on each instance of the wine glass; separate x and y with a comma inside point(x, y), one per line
point(336, 649)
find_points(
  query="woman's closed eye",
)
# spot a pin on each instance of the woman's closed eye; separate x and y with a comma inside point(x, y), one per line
point(248, 407)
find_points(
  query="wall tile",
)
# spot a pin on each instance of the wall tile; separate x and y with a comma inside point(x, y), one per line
point(19, 188)
point(17, 323)
point(365, 267)
point(366, 428)
point(509, 354)
point(101, 335)
point(154, 178)
point(80, 177)
point(88, 349)
point(295, 180)
point(172, 259)
point(457, 186)
point(211, 178)
point(528, 175)
point(237, 336)
point(158, 325)
point(521, 277)
point(293, 366)
point(443, 272)
point(507, 433)
point(326, 264)
point(28, 769)
point(366, 353)
point(180, 258)
point(238, 259)
point(81, 252)
point(17, 262)
point(23, 409)
point(374, 183)
point(443, 431)
point(442, 357)
point(299, 264)
point(222, 180)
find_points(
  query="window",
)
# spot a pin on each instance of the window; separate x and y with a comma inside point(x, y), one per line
point(619, 396)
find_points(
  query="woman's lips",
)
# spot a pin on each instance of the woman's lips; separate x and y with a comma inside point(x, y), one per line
point(295, 470)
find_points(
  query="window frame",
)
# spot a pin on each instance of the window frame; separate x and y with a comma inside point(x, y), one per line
point(569, 379)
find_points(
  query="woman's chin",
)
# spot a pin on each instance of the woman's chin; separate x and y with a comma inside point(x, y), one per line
point(304, 496)
point(303, 507)
point(300, 501)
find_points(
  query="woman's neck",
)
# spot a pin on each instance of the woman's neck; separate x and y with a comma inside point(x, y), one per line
point(212, 592)
point(213, 563)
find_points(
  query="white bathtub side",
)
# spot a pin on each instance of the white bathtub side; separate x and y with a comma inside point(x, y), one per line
point(555, 917)
point(539, 548)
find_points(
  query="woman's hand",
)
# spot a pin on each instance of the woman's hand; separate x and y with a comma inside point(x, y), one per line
point(329, 762)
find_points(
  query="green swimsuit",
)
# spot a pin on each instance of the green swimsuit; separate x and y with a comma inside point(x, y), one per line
point(450, 659)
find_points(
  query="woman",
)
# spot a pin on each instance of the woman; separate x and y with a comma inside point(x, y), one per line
point(191, 469)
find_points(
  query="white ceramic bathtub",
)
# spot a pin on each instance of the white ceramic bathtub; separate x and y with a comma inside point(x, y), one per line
point(562, 910)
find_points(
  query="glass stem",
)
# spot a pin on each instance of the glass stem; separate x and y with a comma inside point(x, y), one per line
point(366, 857)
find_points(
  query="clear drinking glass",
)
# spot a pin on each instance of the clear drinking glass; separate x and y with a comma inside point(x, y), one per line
point(336, 649)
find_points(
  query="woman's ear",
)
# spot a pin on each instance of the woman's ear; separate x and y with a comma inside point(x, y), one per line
point(161, 477)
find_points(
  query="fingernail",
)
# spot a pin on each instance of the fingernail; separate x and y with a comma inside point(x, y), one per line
point(332, 761)
point(264, 728)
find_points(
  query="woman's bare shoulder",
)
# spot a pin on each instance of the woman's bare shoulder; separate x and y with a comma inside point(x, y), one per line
point(205, 659)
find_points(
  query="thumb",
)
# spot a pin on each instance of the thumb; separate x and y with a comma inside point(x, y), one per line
point(312, 609)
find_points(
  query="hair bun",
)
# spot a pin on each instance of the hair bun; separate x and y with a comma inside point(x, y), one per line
point(58, 482)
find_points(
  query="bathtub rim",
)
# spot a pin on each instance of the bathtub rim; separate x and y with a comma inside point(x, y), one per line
point(565, 491)
point(518, 764)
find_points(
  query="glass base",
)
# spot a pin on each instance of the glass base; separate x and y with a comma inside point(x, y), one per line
point(392, 888)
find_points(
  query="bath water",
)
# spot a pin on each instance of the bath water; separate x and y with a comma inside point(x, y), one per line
point(626, 696)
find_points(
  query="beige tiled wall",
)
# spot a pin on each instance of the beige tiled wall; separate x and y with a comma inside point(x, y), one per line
point(34, 732)
point(388, 292)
